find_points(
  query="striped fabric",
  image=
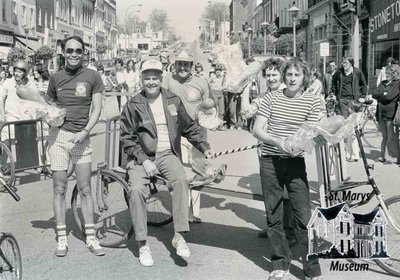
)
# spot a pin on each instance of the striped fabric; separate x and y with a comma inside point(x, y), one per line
point(286, 115)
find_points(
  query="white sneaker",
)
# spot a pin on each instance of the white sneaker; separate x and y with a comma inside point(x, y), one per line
point(181, 247)
point(145, 257)
point(62, 247)
point(93, 245)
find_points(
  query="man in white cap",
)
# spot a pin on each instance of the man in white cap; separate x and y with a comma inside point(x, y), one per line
point(152, 123)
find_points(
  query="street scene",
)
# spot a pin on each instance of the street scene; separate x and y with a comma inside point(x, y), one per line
point(228, 139)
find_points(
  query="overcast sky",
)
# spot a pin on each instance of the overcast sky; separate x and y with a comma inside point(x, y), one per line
point(184, 15)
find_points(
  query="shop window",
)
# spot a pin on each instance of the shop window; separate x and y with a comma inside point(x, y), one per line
point(14, 8)
point(384, 50)
point(3, 11)
point(39, 16)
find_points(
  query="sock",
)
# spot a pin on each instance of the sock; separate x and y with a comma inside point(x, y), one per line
point(89, 231)
point(61, 232)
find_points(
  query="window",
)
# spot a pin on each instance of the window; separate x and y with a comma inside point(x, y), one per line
point(51, 21)
point(24, 14)
point(376, 247)
point(376, 230)
point(45, 19)
point(382, 231)
point(14, 8)
point(3, 11)
point(341, 246)
point(348, 228)
point(39, 16)
point(58, 12)
point(32, 19)
point(341, 227)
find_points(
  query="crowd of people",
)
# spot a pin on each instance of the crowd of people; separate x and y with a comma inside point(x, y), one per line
point(160, 108)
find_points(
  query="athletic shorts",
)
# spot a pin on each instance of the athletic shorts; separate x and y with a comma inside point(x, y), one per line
point(62, 149)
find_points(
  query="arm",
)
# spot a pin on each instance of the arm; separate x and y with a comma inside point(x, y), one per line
point(378, 92)
point(260, 132)
point(363, 84)
point(2, 108)
point(392, 92)
point(192, 131)
point(129, 137)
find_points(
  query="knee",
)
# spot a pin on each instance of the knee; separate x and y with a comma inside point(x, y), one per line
point(60, 190)
point(84, 190)
point(135, 194)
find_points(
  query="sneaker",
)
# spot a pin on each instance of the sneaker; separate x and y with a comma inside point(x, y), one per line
point(278, 274)
point(181, 247)
point(62, 248)
point(145, 257)
point(93, 245)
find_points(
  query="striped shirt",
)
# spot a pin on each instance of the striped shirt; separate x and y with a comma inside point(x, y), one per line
point(286, 115)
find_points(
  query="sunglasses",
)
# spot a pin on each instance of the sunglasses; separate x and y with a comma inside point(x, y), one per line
point(71, 51)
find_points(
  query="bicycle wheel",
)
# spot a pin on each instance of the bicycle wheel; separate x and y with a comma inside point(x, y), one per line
point(392, 264)
point(159, 205)
point(10, 257)
point(113, 225)
point(370, 132)
point(7, 165)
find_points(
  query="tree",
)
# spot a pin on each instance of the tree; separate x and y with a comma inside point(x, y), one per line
point(216, 12)
point(158, 20)
point(16, 54)
point(45, 53)
point(284, 45)
point(101, 49)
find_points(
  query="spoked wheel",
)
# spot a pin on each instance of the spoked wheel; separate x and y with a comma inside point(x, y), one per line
point(370, 132)
point(112, 219)
point(159, 205)
point(7, 166)
point(10, 257)
point(392, 264)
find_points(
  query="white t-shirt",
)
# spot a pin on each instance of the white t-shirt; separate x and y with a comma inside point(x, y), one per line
point(157, 109)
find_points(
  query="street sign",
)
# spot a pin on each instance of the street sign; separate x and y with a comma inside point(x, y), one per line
point(324, 49)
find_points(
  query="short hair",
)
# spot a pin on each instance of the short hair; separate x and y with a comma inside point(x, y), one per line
point(395, 70)
point(43, 72)
point(99, 67)
point(119, 61)
point(273, 63)
point(300, 65)
point(93, 60)
point(76, 38)
point(331, 61)
point(198, 65)
point(349, 58)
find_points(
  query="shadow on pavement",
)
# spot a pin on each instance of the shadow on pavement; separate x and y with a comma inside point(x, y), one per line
point(251, 182)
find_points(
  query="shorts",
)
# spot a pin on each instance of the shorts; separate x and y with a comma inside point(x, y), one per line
point(62, 150)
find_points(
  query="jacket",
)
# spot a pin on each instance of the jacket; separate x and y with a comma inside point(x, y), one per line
point(387, 103)
point(138, 128)
point(360, 86)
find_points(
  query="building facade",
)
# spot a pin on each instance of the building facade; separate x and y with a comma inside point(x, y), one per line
point(6, 30)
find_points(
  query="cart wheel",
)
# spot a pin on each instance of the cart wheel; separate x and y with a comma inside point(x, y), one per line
point(7, 166)
point(10, 261)
point(392, 263)
point(113, 224)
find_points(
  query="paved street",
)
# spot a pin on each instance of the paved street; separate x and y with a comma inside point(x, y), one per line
point(224, 246)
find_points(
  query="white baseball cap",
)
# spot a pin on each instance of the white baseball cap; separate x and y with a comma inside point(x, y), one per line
point(151, 64)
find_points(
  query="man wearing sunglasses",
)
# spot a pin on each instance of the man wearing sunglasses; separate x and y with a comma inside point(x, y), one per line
point(79, 91)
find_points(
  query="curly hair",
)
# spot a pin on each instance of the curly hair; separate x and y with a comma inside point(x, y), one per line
point(42, 71)
point(273, 63)
point(395, 70)
point(300, 65)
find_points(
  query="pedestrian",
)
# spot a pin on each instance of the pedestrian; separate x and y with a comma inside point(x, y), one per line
point(120, 81)
point(217, 84)
point(382, 74)
point(79, 91)
point(281, 114)
point(3, 75)
point(348, 85)
point(41, 77)
point(192, 91)
point(92, 64)
point(152, 124)
point(132, 77)
point(328, 76)
point(317, 89)
point(198, 68)
point(387, 95)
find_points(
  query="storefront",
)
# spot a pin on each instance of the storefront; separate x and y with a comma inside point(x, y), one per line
point(384, 29)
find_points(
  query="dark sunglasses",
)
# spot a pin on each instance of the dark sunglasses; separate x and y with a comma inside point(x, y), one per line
point(71, 51)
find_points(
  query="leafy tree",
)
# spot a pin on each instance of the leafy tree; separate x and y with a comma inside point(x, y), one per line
point(45, 53)
point(101, 49)
point(284, 45)
point(158, 20)
point(16, 54)
point(216, 11)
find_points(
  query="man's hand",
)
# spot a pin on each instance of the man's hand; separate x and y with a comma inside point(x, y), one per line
point(283, 147)
point(208, 154)
point(81, 136)
point(150, 168)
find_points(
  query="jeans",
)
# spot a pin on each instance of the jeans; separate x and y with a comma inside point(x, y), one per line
point(233, 103)
point(277, 172)
point(220, 102)
point(171, 168)
point(390, 139)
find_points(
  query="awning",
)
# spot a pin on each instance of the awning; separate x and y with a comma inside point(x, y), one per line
point(32, 44)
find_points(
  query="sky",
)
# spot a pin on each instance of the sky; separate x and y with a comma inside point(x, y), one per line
point(184, 15)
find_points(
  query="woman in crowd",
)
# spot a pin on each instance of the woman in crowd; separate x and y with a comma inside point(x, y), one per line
point(3, 75)
point(131, 77)
point(41, 77)
point(121, 82)
point(281, 114)
point(198, 70)
point(387, 95)
point(316, 87)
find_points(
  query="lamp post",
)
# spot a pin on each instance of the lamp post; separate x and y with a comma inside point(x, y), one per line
point(26, 30)
point(249, 31)
point(264, 27)
point(294, 11)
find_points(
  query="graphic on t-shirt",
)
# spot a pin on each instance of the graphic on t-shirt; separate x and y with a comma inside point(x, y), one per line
point(81, 89)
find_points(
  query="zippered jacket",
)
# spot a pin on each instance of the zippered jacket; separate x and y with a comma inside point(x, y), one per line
point(139, 133)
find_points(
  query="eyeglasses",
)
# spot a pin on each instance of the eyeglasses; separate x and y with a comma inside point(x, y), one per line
point(71, 51)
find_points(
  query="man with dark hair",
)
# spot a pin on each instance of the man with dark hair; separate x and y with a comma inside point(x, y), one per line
point(328, 76)
point(348, 85)
point(79, 91)
point(152, 124)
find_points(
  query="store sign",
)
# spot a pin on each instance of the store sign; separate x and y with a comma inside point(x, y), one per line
point(6, 39)
point(385, 20)
point(324, 49)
